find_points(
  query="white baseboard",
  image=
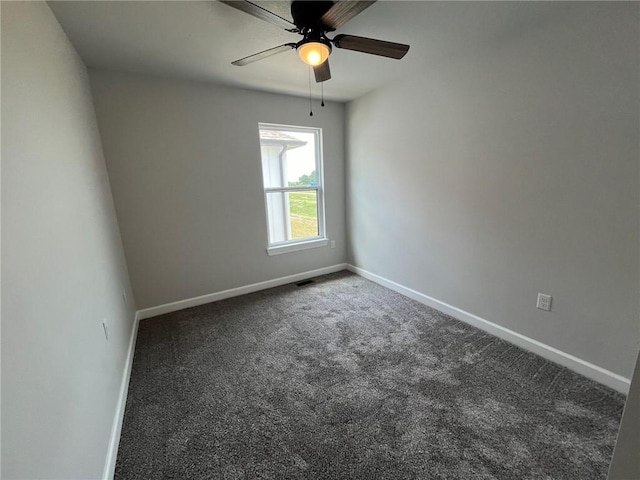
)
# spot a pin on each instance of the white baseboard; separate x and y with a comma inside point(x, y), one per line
point(594, 372)
point(234, 292)
point(116, 429)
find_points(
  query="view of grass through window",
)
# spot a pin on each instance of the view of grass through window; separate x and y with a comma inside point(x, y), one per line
point(303, 211)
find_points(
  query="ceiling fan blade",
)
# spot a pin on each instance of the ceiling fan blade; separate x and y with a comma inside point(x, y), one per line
point(343, 11)
point(264, 54)
point(261, 13)
point(322, 71)
point(371, 45)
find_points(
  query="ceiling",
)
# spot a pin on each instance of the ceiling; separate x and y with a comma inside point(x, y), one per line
point(198, 40)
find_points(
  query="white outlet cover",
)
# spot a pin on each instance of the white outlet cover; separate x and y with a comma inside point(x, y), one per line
point(544, 302)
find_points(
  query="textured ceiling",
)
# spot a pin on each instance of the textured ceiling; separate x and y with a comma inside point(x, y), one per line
point(199, 40)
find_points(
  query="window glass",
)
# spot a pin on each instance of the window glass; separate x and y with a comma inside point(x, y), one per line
point(292, 177)
point(292, 215)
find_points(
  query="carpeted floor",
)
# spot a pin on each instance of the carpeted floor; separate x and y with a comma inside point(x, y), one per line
point(344, 379)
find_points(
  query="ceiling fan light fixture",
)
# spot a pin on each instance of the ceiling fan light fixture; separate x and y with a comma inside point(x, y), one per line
point(314, 53)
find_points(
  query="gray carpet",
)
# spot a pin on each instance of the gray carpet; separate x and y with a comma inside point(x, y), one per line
point(344, 379)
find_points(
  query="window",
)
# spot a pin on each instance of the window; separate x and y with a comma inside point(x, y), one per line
point(293, 194)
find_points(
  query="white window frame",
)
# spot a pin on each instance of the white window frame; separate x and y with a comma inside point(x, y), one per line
point(304, 243)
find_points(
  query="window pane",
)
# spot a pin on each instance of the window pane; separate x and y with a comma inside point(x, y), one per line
point(292, 215)
point(303, 212)
point(288, 158)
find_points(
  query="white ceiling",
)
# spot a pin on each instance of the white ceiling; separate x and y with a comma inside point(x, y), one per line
point(198, 40)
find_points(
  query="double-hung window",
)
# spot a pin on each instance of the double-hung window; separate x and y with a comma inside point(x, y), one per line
point(293, 190)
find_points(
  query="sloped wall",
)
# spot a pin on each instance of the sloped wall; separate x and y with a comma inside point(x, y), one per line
point(63, 268)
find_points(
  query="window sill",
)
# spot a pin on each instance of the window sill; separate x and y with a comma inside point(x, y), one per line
point(295, 247)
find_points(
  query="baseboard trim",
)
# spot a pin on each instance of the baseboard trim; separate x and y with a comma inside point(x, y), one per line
point(594, 372)
point(116, 428)
point(234, 292)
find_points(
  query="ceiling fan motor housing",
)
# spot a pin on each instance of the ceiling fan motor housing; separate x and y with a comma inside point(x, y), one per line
point(307, 14)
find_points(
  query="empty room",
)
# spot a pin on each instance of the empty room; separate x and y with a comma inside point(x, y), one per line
point(320, 240)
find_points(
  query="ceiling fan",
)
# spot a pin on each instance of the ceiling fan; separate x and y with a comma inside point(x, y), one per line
point(313, 20)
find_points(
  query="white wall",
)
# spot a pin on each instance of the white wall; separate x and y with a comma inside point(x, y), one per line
point(512, 171)
point(185, 169)
point(63, 267)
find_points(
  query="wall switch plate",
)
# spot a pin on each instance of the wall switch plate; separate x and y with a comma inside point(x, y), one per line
point(544, 302)
point(333, 244)
point(104, 327)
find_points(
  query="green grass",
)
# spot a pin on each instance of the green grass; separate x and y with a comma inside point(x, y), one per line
point(303, 208)
point(303, 203)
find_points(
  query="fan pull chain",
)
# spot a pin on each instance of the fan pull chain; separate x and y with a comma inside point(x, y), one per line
point(322, 93)
point(310, 105)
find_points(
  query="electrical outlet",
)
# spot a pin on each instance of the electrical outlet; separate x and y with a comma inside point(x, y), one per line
point(106, 331)
point(333, 244)
point(544, 302)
